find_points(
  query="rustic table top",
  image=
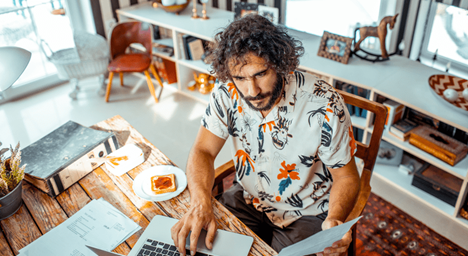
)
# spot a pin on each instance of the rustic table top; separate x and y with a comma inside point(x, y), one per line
point(41, 213)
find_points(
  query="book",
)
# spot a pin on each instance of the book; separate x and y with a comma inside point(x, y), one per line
point(358, 134)
point(187, 39)
point(395, 112)
point(349, 88)
point(61, 158)
point(402, 128)
point(363, 93)
point(163, 49)
point(422, 119)
point(180, 40)
point(196, 50)
point(438, 144)
point(156, 34)
point(389, 154)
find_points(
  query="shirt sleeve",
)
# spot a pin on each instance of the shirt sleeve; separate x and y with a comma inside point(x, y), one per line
point(215, 117)
point(337, 140)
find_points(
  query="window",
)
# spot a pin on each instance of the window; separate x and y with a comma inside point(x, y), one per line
point(340, 17)
point(335, 16)
point(446, 37)
point(24, 23)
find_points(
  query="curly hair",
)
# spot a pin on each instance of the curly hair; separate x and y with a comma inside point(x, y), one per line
point(257, 35)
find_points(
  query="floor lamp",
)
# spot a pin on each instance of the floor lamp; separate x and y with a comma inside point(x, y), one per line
point(13, 61)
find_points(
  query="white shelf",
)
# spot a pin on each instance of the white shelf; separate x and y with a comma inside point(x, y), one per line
point(205, 98)
point(463, 221)
point(398, 179)
point(198, 65)
point(460, 169)
point(358, 122)
point(400, 79)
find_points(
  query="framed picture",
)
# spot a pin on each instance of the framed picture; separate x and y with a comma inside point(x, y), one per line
point(389, 154)
point(243, 8)
point(335, 47)
point(271, 13)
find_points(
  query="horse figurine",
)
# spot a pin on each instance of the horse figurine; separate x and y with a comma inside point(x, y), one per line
point(380, 31)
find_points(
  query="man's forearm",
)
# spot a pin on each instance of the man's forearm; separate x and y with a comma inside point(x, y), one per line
point(344, 192)
point(200, 176)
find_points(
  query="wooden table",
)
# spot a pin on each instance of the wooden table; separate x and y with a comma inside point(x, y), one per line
point(41, 213)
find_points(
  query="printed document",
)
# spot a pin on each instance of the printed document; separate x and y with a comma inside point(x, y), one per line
point(98, 224)
point(319, 241)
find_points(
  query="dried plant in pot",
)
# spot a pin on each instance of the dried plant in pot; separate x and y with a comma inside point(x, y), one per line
point(11, 177)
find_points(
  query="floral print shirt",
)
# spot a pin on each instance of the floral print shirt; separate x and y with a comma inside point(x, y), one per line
point(281, 160)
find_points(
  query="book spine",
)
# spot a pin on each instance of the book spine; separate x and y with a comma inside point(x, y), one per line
point(180, 41)
point(432, 149)
point(349, 88)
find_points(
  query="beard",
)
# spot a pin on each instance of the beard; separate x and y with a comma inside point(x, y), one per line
point(274, 95)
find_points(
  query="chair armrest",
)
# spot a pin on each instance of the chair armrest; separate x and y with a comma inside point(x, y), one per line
point(363, 196)
point(220, 173)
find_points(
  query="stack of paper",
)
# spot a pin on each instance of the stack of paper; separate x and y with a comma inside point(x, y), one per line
point(98, 224)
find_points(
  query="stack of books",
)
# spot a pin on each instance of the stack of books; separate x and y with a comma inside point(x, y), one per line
point(402, 128)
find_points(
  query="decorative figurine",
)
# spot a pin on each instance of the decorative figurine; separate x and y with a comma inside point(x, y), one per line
point(465, 94)
point(204, 83)
point(451, 95)
point(381, 32)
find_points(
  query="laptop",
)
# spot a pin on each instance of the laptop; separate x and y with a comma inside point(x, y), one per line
point(156, 240)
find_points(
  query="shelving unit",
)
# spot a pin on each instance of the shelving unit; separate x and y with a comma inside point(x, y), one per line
point(399, 79)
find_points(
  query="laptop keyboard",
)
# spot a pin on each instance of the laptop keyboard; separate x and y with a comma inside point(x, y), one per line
point(156, 248)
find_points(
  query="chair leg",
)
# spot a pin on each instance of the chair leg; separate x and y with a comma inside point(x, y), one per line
point(155, 74)
point(109, 85)
point(150, 85)
point(121, 78)
point(352, 247)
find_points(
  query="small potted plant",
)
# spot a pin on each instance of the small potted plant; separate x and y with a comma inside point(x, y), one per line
point(11, 177)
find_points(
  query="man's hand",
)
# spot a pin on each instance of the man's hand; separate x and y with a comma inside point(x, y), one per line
point(199, 216)
point(339, 247)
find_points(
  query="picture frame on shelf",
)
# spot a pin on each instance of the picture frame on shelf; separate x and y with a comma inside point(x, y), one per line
point(243, 8)
point(271, 13)
point(389, 154)
point(335, 47)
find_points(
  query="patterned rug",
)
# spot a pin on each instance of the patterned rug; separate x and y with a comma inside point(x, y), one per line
point(387, 230)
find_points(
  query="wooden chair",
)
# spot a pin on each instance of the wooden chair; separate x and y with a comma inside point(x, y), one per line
point(366, 152)
point(122, 36)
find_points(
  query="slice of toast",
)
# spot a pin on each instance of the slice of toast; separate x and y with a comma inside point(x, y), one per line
point(163, 184)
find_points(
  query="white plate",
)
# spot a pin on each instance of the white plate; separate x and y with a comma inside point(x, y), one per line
point(144, 178)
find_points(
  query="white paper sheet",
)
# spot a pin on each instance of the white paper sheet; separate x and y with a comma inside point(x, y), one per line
point(319, 241)
point(98, 224)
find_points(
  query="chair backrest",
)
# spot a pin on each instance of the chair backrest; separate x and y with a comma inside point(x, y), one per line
point(366, 152)
point(126, 33)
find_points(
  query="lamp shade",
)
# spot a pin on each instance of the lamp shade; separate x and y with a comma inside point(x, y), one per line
point(13, 61)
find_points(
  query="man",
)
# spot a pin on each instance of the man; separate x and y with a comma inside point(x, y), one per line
point(292, 139)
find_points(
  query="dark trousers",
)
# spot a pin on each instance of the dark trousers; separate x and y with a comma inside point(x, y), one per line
point(258, 222)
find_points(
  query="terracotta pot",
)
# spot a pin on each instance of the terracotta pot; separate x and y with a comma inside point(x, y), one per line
point(11, 203)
